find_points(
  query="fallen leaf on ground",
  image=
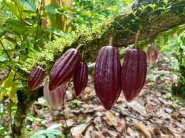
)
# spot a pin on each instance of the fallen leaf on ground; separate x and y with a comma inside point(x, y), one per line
point(142, 129)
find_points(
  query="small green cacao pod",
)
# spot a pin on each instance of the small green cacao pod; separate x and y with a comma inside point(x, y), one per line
point(54, 98)
point(64, 68)
point(133, 74)
point(152, 54)
point(80, 78)
point(36, 78)
point(107, 76)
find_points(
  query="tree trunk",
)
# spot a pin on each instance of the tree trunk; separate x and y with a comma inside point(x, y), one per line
point(25, 101)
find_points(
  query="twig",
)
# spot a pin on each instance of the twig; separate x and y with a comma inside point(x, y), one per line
point(38, 24)
point(5, 51)
point(88, 125)
point(126, 115)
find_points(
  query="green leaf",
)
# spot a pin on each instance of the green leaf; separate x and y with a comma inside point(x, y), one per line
point(11, 40)
point(1, 96)
point(2, 58)
point(152, 6)
point(3, 113)
point(2, 90)
point(3, 130)
point(51, 11)
point(54, 126)
point(30, 4)
point(51, 136)
point(54, 31)
point(47, 131)
point(2, 18)
point(67, 9)
point(53, 131)
point(10, 86)
point(19, 86)
point(8, 81)
point(183, 47)
point(85, 13)
point(16, 26)
point(2, 32)
point(127, 2)
point(12, 8)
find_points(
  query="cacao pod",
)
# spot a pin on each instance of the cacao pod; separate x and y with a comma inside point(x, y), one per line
point(54, 98)
point(63, 70)
point(80, 78)
point(152, 54)
point(36, 77)
point(107, 76)
point(133, 73)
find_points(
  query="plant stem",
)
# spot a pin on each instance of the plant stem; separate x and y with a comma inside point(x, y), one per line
point(137, 39)
point(25, 101)
point(6, 51)
point(37, 28)
point(110, 40)
point(79, 46)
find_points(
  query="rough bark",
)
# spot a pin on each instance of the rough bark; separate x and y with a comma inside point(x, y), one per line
point(125, 25)
point(25, 101)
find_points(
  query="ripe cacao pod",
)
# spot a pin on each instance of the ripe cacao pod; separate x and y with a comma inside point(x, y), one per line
point(107, 76)
point(133, 73)
point(36, 77)
point(54, 98)
point(152, 54)
point(80, 78)
point(63, 70)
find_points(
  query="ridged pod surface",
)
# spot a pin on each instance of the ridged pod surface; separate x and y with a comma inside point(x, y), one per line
point(133, 74)
point(107, 76)
point(65, 67)
point(36, 77)
point(54, 98)
point(152, 54)
point(80, 78)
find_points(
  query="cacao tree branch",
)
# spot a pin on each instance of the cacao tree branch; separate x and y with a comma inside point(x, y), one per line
point(151, 19)
point(124, 26)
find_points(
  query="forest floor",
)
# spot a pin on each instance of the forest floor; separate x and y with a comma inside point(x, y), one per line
point(154, 113)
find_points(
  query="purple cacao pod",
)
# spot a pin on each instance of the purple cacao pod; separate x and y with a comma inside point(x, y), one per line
point(54, 98)
point(152, 54)
point(107, 76)
point(80, 78)
point(36, 77)
point(65, 67)
point(133, 73)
